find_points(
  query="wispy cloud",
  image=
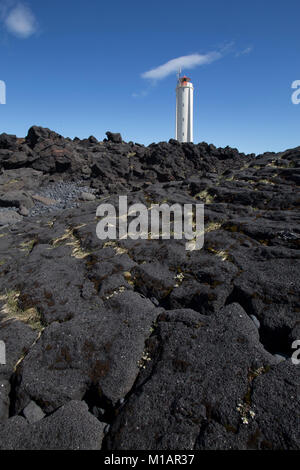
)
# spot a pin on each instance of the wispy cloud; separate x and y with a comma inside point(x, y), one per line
point(244, 51)
point(185, 62)
point(18, 19)
point(140, 94)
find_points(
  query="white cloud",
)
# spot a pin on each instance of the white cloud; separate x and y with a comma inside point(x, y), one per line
point(244, 51)
point(185, 62)
point(20, 21)
point(140, 94)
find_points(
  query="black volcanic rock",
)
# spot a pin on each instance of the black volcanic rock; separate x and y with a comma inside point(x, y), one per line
point(114, 137)
point(81, 354)
point(93, 139)
point(71, 427)
point(207, 386)
point(8, 141)
point(38, 134)
point(173, 349)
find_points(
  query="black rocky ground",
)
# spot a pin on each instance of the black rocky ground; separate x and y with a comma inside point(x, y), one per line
point(142, 344)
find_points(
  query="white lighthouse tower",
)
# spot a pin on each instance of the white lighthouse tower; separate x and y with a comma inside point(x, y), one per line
point(184, 109)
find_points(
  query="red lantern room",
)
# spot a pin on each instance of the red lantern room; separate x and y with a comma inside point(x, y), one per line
point(184, 80)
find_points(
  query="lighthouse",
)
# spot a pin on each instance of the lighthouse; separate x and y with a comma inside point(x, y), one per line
point(184, 109)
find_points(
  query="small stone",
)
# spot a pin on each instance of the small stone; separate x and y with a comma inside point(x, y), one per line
point(87, 196)
point(98, 412)
point(23, 211)
point(280, 357)
point(33, 412)
point(44, 200)
point(255, 321)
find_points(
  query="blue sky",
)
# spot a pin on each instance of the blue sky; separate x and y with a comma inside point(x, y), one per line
point(77, 67)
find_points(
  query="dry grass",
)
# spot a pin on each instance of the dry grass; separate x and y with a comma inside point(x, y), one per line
point(212, 226)
point(118, 249)
point(12, 310)
point(204, 195)
point(265, 181)
point(223, 254)
point(69, 239)
point(115, 292)
point(128, 277)
point(28, 246)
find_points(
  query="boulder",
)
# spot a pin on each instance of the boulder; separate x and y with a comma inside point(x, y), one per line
point(71, 427)
point(210, 384)
point(10, 217)
point(8, 141)
point(116, 138)
point(37, 134)
point(25, 179)
point(16, 199)
point(18, 338)
point(15, 160)
point(72, 357)
point(33, 412)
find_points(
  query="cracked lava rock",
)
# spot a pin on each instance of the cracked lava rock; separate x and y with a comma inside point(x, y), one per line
point(140, 344)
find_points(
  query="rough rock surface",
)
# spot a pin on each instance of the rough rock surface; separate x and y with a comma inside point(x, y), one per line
point(71, 427)
point(9, 217)
point(173, 349)
point(33, 412)
point(4, 400)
